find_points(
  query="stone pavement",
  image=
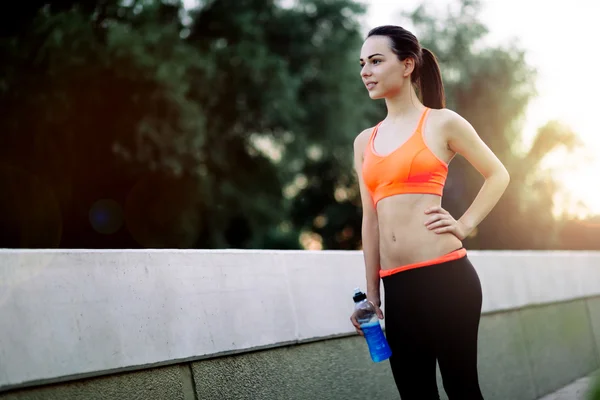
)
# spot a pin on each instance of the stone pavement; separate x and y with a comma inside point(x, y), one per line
point(577, 390)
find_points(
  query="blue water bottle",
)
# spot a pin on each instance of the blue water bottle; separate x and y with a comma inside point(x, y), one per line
point(369, 323)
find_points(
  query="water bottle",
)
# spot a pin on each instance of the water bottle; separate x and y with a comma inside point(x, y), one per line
point(369, 323)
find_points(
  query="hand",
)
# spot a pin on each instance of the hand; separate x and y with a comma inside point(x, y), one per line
point(376, 303)
point(442, 222)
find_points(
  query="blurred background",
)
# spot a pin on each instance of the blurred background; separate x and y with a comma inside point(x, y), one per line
point(230, 123)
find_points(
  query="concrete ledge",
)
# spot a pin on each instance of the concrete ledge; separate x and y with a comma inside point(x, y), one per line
point(341, 368)
point(150, 384)
point(560, 344)
point(93, 312)
point(515, 279)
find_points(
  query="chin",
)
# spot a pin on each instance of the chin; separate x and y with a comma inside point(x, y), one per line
point(375, 95)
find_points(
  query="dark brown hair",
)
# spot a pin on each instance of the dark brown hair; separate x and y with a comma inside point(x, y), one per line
point(426, 75)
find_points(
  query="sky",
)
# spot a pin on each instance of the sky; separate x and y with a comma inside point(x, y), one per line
point(559, 46)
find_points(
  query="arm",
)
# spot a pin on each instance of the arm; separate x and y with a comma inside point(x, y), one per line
point(370, 225)
point(464, 140)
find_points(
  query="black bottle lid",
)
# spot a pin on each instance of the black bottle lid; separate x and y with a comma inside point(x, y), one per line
point(358, 295)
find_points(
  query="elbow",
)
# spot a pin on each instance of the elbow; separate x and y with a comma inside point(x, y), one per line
point(502, 178)
point(505, 176)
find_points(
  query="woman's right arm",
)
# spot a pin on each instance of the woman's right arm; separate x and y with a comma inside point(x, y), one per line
point(369, 231)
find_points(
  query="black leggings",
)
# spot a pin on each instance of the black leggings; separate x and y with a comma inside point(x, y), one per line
point(432, 313)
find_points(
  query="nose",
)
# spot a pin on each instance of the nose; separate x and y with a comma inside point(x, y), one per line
point(364, 72)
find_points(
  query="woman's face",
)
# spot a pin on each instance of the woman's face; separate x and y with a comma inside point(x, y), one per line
point(382, 72)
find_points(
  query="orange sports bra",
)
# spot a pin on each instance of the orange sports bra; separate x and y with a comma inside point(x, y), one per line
point(411, 168)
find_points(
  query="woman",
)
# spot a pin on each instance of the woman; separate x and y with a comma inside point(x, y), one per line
point(432, 292)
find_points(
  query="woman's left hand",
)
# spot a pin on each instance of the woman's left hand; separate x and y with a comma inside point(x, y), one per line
point(440, 221)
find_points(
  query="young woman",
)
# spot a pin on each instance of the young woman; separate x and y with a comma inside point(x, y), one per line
point(432, 292)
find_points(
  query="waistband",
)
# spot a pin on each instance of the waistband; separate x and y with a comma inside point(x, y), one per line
point(454, 255)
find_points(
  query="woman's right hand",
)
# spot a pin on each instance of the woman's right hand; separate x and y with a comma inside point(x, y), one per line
point(376, 303)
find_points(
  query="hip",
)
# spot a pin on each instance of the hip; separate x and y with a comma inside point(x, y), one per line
point(451, 276)
point(411, 245)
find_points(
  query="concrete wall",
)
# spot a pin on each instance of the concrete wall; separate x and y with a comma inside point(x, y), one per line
point(253, 324)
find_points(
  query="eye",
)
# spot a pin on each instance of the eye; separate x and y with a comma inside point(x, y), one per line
point(376, 62)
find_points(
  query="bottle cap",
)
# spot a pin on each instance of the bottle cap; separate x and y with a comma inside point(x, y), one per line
point(358, 295)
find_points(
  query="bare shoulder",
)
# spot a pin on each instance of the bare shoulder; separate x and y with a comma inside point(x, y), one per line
point(361, 140)
point(449, 123)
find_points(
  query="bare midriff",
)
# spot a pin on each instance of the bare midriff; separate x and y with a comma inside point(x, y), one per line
point(403, 237)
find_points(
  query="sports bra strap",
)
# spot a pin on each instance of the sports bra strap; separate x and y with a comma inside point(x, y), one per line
point(374, 131)
point(423, 116)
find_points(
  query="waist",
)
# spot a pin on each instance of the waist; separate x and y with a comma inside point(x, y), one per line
point(403, 237)
point(453, 255)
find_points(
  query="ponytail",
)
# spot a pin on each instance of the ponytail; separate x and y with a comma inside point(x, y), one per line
point(430, 82)
point(426, 76)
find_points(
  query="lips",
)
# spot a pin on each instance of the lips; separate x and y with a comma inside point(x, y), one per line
point(370, 85)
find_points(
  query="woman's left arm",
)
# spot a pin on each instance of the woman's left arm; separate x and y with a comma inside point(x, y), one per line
point(464, 140)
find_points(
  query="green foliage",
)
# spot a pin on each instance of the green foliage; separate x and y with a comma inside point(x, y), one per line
point(285, 79)
point(138, 124)
point(594, 391)
point(491, 87)
point(194, 130)
point(95, 104)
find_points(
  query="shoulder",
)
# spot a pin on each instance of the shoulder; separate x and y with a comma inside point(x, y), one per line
point(449, 123)
point(360, 143)
point(361, 140)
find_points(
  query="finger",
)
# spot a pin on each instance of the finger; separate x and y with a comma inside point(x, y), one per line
point(440, 223)
point(378, 311)
point(445, 229)
point(356, 325)
point(437, 218)
point(436, 209)
point(433, 219)
point(433, 209)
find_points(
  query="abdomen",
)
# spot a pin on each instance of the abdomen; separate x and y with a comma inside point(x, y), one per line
point(403, 237)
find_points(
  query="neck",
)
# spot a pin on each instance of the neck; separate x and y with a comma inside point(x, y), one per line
point(403, 104)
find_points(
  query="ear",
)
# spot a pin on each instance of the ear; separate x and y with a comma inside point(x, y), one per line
point(409, 66)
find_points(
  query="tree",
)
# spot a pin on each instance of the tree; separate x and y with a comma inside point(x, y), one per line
point(152, 132)
point(138, 124)
point(95, 101)
point(491, 87)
